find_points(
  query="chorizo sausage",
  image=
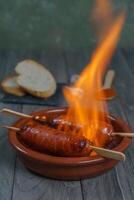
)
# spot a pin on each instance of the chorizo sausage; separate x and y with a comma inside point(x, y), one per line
point(46, 139)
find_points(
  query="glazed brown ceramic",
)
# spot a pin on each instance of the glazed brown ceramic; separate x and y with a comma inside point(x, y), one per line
point(67, 168)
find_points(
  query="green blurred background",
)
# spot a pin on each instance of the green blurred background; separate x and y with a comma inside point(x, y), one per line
point(54, 24)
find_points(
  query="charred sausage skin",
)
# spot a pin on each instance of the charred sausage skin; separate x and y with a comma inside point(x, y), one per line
point(46, 139)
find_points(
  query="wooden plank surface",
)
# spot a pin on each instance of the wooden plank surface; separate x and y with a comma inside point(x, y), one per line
point(124, 87)
point(7, 157)
point(128, 55)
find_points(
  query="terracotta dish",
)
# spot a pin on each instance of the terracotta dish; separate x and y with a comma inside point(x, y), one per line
point(64, 168)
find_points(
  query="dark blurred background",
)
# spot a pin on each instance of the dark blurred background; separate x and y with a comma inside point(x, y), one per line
point(54, 24)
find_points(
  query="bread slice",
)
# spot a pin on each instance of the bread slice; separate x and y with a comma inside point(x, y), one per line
point(35, 79)
point(10, 86)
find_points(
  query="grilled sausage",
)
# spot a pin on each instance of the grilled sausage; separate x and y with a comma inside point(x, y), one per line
point(49, 140)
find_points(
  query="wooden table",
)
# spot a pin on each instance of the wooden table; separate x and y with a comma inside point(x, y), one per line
point(16, 182)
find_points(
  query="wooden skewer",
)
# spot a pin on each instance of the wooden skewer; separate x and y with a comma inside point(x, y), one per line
point(101, 151)
point(37, 118)
point(11, 128)
point(41, 119)
point(16, 113)
point(123, 134)
point(109, 79)
point(109, 153)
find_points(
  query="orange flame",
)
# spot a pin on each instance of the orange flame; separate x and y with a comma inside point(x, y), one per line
point(84, 107)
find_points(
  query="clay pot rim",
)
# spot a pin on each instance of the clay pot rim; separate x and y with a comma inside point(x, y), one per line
point(65, 161)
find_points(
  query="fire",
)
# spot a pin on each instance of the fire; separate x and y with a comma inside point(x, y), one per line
point(84, 107)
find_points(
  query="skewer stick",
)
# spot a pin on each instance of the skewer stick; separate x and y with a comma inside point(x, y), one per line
point(109, 153)
point(109, 77)
point(11, 128)
point(101, 151)
point(15, 113)
point(37, 118)
point(123, 134)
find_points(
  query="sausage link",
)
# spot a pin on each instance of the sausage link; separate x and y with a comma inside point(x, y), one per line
point(49, 140)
